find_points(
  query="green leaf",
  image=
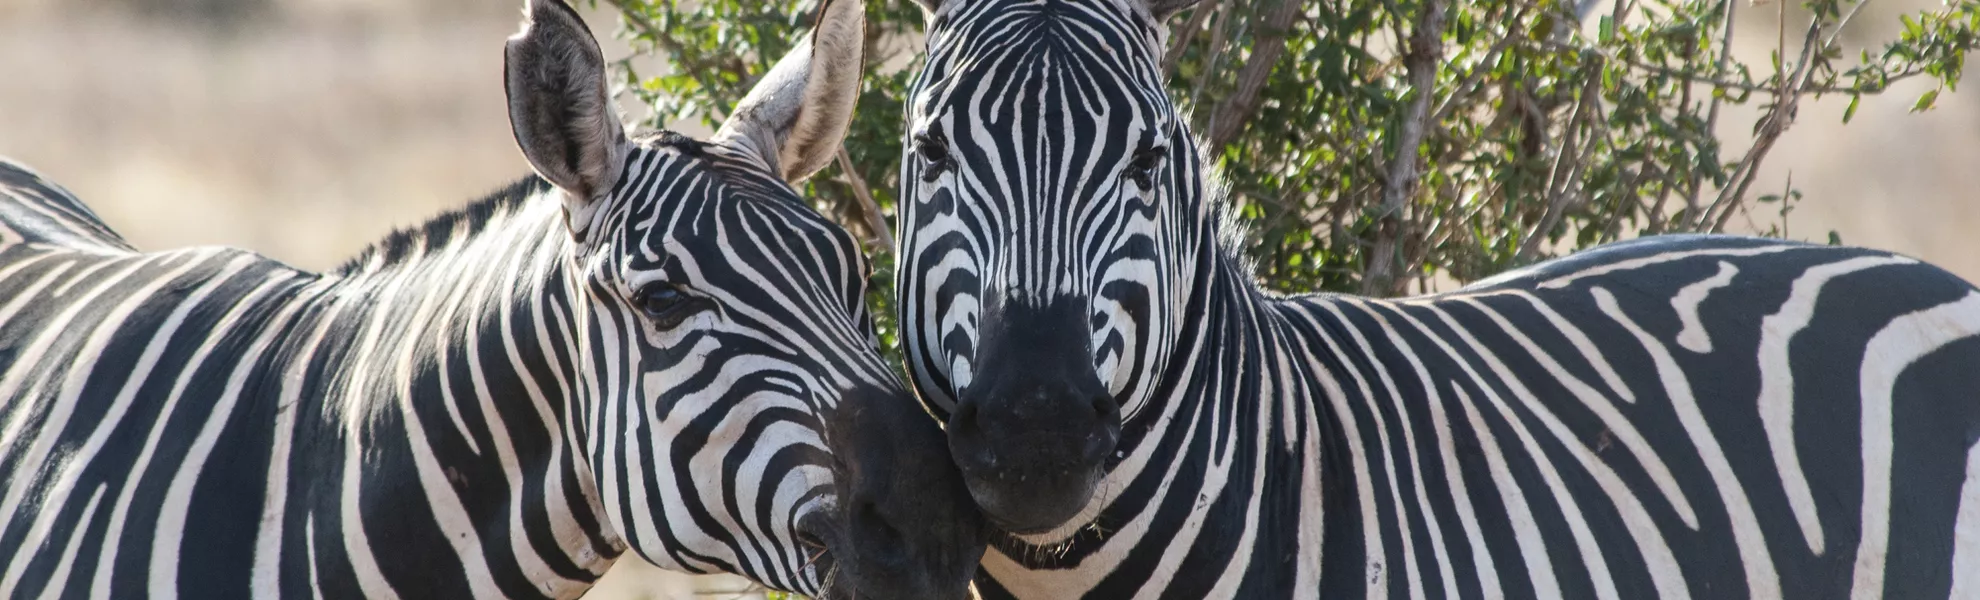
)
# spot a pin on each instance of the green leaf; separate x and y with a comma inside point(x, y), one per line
point(1925, 101)
point(1849, 113)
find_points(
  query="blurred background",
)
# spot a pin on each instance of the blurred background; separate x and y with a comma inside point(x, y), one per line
point(304, 129)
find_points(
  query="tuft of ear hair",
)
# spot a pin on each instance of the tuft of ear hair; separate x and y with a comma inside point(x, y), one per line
point(798, 114)
point(558, 105)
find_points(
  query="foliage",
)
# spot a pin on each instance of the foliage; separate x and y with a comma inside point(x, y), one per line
point(1532, 134)
point(1455, 140)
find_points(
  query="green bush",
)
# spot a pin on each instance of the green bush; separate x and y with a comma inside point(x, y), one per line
point(1410, 139)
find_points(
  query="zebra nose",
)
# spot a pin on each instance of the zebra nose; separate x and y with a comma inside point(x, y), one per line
point(1105, 408)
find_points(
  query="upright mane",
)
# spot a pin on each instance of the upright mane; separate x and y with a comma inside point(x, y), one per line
point(398, 247)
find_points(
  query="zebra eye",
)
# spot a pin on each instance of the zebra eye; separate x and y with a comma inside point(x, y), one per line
point(933, 149)
point(1144, 166)
point(667, 305)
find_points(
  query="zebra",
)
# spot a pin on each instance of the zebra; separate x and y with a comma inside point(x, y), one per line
point(1672, 417)
point(653, 344)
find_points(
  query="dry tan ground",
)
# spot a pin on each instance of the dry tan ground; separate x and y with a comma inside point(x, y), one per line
point(312, 133)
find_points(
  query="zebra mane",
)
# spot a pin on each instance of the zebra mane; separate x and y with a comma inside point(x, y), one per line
point(1227, 223)
point(397, 247)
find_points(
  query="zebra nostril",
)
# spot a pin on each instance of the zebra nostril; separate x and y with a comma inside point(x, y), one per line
point(1105, 409)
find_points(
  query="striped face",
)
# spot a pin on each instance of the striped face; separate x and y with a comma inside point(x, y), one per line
point(735, 414)
point(728, 325)
point(1041, 281)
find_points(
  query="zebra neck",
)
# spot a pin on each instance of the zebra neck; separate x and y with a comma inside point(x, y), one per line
point(448, 376)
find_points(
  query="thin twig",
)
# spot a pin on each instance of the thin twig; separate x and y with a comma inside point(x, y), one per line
point(1189, 31)
point(1464, 90)
point(1268, 44)
point(1776, 122)
point(1712, 113)
point(1690, 77)
point(876, 223)
point(1559, 185)
point(1843, 22)
point(1218, 33)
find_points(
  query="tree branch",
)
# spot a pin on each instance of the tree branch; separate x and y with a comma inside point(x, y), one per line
point(1690, 77)
point(869, 211)
point(1775, 123)
point(1267, 45)
point(1426, 49)
point(1189, 31)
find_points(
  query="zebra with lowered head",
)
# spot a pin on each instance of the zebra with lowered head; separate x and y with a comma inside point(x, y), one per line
point(656, 345)
point(1681, 417)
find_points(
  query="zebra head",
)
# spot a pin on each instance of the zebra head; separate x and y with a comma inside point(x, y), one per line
point(1047, 240)
point(739, 418)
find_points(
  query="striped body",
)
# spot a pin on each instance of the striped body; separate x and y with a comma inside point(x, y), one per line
point(1667, 418)
point(451, 416)
point(178, 422)
point(1698, 417)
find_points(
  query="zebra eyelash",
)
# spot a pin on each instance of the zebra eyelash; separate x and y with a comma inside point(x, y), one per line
point(933, 149)
point(1144, 166)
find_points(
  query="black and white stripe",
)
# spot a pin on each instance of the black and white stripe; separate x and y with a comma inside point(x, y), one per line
point(1674, 417)
point(496, 404)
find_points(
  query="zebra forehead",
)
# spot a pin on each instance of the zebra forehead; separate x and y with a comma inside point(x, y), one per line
point(1000, 32)
point(1036, 62)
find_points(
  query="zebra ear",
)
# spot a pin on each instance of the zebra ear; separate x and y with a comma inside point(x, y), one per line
point(796, 117)
point(558, 106)
point(1163, 9)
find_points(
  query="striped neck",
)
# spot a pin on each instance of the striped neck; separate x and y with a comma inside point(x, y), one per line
point(463, 404)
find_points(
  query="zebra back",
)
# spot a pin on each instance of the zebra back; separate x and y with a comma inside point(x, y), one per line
point(36, 210)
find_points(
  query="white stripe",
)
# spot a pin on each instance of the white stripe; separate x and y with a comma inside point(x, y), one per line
point(443, 503)
point(1526, 530)
point(1667, 257)
point(167, 538)
point(1658, 559)
point(1414, 458)
point(1899, 344)
point(1762, 581)
point(1584, 539)
point(1966, 532)
point(572, 542)
point(1481, 555)
point(52, 425)
point(1216, 475)
point(58, 580)
point(68, 473)
point(1693, 336)
point(357, 545)
point(1612, 419)
point(1776, 401)
point(309, 543)
point(266, 582)
point(1375, 556)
